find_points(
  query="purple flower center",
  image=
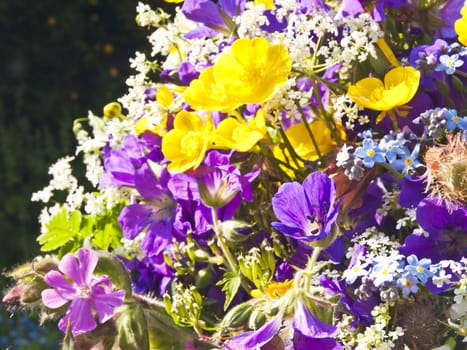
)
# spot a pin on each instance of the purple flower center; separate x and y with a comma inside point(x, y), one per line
point(84, 292)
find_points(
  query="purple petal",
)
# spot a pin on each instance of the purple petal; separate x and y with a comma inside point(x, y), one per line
point(133, 219)
point(105, 303)
point(69, 266)
point(53, 298)
point(301, 342)
point(320, 192)
point(202, 11)
point(183, 186)
point(293, 232)
point(309, 325)
point(432, 217)
point(232, 7)
point(88, 262)
point(81, 316)
point(55, 279)
point(146, 183)
point(256, 339)
point(63, 323)
point(290, 206)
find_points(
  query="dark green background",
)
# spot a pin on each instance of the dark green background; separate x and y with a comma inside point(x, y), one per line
point(58, 59)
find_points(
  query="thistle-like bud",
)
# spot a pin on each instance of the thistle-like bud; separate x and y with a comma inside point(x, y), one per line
point(30, 282)
point(447, 171)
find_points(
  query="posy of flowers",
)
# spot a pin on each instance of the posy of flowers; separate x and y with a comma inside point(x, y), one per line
point(280, 175)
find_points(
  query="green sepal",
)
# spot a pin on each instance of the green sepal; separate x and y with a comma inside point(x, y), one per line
point(68, 343)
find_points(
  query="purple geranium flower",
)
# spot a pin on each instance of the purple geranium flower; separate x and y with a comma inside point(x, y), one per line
point(306, 212)
point(446, 228)
point(155, 212)
point(85, 291)
point(120, 165)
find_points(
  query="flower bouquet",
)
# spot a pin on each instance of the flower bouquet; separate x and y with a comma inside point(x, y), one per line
point(280, 175)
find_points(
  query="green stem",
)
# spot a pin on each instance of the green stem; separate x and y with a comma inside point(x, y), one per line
point(391, 170)
point(310, 266)
point(231, 261)
point(221, 243)
point(310, 132)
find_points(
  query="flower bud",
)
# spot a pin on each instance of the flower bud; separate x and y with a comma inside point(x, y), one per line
point(132, 328)
point(217, 188)
point(113, 110)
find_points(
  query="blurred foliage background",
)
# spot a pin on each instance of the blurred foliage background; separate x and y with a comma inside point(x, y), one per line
point(59, 59)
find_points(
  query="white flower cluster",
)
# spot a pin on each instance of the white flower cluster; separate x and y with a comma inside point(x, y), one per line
point(377, 336)
point(377, 244)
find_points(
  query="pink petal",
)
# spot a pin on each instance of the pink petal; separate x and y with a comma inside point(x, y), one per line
point(63, 323)
point(81, 316)
point(106, 303)
point(101, 282)
point(69, 266)
point(87, 261)
point(52, 298)
point(55, 279)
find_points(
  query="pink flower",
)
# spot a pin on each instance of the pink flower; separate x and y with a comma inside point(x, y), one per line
point(85, 291)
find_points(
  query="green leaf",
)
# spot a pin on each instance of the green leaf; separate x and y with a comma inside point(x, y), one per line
point(62, 228)
point(105, 238)
point(458, 84)
point(230, 284)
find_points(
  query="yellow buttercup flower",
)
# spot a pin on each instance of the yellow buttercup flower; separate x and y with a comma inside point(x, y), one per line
point(399, 87)
point(252, 70)
point(186, 144)
point(268, 4)
point(273, 290)
point(164, 96)
point(460, 27)
point(204, 94)
point(237, 134)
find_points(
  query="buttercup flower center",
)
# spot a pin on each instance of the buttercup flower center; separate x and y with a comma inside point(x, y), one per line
point(190, 143)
